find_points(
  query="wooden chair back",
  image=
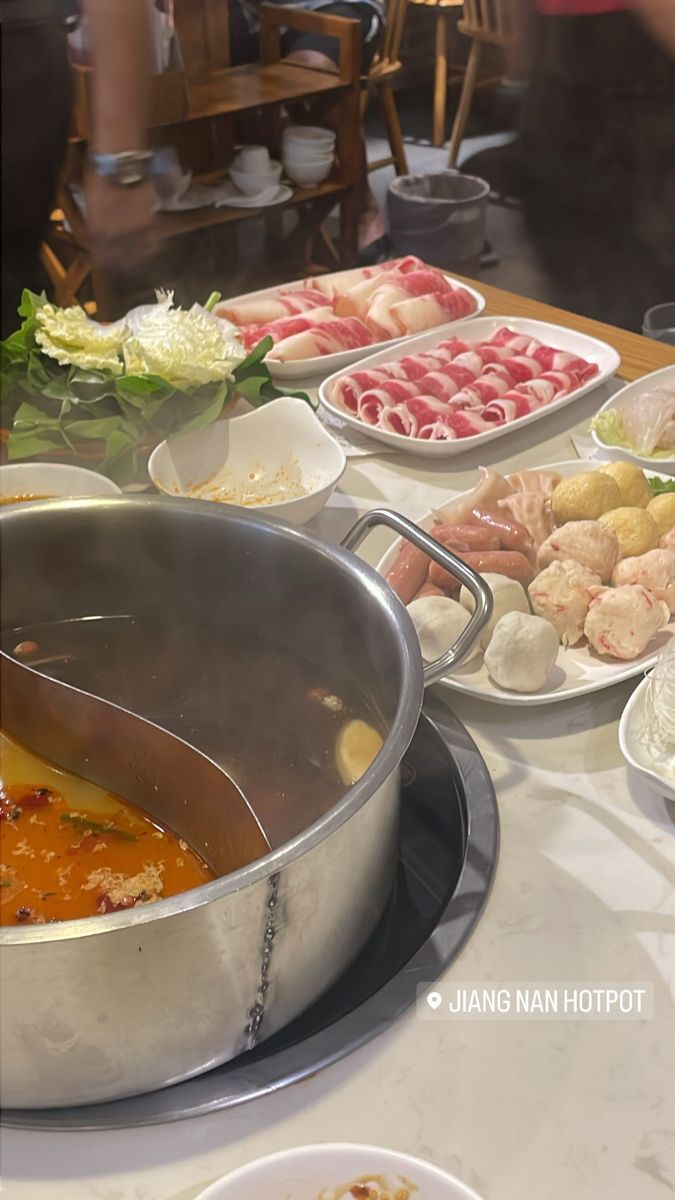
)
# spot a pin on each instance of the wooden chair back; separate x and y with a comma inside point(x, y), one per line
point(390, 50)
point(203, 32)
point(487, 21)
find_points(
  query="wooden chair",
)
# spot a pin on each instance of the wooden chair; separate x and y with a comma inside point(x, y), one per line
point(378, 82)
point(486, 23)
point(444, 73)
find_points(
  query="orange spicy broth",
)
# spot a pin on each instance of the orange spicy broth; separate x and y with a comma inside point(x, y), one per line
point(70, 849)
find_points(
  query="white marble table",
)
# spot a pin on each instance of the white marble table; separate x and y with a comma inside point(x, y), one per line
point(547, 1110)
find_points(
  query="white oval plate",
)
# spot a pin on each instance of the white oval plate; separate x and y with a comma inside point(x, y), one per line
point(328, 364)
point(476, 330)
point(663, 378)
point(578, 670)
point(633, 750)
point(326, 1171)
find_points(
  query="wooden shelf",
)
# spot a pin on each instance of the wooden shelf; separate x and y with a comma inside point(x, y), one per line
point(176, 224)
point(252, 86)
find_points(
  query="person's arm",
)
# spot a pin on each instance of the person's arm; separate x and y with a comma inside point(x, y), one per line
point(658, 17)
point(119, 217)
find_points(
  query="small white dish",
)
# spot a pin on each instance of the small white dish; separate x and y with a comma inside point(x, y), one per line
point(50, 481)
point(578, 670)
point(663, 378)
point(635, 752)
point(474, 329)
point(253, 183)
point(306, 173)
point(277, 460)
point(328, 1171)
point(230, 197)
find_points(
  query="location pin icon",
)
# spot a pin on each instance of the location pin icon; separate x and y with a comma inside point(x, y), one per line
point(434, 1000)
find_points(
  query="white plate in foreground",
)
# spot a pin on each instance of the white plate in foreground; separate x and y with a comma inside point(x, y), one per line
point(656, 379)
point(474, 329)
point(327, 364)
point(327, 1171)
point(578, 670)
point(633, 749)
point(49, 481)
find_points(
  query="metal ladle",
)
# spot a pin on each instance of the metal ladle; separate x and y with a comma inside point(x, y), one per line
point(133, 758)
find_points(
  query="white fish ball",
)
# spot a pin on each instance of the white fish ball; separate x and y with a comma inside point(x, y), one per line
point(439, 622)
point(522, 652)
point(507, 595)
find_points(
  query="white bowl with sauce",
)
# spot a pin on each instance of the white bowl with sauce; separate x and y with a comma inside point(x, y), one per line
point(333, 1171)
point(21, 482)
point(279, 460)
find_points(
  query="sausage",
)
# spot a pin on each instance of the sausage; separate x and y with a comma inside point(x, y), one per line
point(474, 537)
point(430, 589)
point(512, 535)
point(408, 572)
point(500, 562)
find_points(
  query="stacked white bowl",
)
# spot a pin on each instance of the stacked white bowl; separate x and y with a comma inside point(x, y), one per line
point(254, 172)
point(308, 153)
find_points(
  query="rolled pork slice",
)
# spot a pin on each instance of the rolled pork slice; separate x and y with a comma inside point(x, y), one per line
point(551, 359)
point(424, 312)
point(522, 368)
point(329, 337)
point(271, 308)
point(348, 388)
point(338, 282)
point(409, 417)
point(285, 327)
point(371, 404)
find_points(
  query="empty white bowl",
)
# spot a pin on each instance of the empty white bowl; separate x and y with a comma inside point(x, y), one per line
point(49, 481)
point(251, 183)
point(328, 1170)
point(307, 173)
point(278, 460)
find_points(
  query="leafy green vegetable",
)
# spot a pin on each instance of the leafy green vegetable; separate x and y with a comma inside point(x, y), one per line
point(659, 486)
point(109, 394)
point(82, 822)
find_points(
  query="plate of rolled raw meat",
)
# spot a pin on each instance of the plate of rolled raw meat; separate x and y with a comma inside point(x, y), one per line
point(323, 323)
point(449, 391)
point(580, 558)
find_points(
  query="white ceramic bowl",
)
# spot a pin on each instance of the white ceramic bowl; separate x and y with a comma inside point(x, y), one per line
point(656, 379)
point(307, 173)
point(44, 480)
point(307, 156)
point(312, 135)
point(278, 460)
point(632, 746)
point(301, 147)
point(327, 1170)
point(251, 183)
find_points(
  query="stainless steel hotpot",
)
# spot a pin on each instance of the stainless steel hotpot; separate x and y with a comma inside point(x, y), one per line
point(108, 1007)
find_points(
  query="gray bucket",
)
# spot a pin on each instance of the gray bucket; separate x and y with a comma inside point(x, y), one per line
point(440, 218)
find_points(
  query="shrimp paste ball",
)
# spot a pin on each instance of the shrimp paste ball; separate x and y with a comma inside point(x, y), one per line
point(507, 596)
point(522, 652)
point(439, 622)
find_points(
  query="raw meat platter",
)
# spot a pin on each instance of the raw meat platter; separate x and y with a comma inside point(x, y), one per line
point(578, 669)
point(322, 324)
point(452, 389)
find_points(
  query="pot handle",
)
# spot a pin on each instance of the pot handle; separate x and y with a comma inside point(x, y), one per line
point(477, 586)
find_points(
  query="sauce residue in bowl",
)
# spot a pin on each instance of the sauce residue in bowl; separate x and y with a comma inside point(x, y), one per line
point(70, 849)
point(256, 487)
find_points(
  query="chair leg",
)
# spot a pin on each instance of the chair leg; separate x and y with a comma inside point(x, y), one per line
point(386, 97)
point(441, 78)
point(465, 99)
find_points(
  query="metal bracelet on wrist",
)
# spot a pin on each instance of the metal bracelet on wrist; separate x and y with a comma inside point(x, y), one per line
point(126, 169)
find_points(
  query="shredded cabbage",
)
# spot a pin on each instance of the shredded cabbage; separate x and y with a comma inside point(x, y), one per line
point(73, 339)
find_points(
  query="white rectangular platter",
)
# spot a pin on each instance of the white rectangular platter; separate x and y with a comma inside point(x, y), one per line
point(578, 670)
point(327, 364)
point(473, 329)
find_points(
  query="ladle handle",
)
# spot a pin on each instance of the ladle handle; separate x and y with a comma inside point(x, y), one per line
point(480, 591)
